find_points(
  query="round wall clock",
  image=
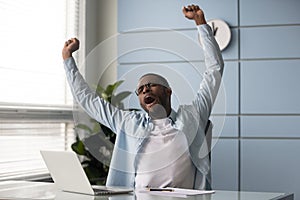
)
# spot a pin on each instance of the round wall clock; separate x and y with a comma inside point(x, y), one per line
point(221, 32)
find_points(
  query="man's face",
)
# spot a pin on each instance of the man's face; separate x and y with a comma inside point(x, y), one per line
point(154, 94)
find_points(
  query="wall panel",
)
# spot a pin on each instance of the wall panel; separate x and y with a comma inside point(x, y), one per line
point(134, 14)
point(270, 126)
point(270, 87)
point(270, 42)
point(159, 45)
point(268, 12)
point(229, 126)
point(225, 165)
point(270, 166)
point(227, 101)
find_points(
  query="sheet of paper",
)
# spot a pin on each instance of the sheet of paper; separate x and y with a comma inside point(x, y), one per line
point(191, 192)
point(143, 194)
point(176, 192)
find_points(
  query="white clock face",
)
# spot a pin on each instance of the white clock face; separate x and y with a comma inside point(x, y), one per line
point(221, 32)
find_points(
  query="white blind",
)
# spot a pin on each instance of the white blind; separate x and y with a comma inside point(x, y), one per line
point(21, 142)
point(32, 36)
point(35, 103)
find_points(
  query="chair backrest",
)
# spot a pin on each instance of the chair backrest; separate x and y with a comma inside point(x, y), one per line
point(199, 183)
point(208, 135)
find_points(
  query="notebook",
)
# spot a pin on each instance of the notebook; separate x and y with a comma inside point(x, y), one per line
point(68, 174)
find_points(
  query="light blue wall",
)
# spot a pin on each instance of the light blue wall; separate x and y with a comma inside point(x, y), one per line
point(257, 134)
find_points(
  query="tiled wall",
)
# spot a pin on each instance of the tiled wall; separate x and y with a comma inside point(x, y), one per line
point(258, 148)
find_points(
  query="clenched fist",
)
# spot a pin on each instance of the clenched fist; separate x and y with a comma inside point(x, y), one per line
point(69, 47)
point(193, 12)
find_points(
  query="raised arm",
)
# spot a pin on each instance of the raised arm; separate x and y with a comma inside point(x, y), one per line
point(92, 104)
point(213, 60)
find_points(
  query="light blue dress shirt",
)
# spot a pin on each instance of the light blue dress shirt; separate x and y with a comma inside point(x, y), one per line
point(132, 128)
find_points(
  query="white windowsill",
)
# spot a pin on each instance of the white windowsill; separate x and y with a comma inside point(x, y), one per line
point(28, 176)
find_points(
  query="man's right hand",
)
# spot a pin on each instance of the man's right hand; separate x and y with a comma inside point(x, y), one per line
point(69, 47)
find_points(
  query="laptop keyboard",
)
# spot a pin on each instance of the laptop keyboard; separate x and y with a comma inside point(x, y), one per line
point(98, 190)
point(101, 191)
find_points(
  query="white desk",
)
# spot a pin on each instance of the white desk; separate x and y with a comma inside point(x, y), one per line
point(41, 190)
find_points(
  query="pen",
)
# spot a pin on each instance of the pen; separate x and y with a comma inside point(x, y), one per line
point(161, 189)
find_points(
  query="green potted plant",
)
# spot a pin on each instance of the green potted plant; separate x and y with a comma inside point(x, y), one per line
point(96, 156)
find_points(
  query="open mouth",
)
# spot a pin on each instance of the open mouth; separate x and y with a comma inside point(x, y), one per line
point(149, 100)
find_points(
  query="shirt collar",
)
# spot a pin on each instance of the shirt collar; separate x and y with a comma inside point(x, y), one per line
point(172, 116)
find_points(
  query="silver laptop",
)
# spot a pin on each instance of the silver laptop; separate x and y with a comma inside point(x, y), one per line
point(68, 174)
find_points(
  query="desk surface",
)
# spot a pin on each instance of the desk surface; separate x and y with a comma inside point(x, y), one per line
point(41, 190)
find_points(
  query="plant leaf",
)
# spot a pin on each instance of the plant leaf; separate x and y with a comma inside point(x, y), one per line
point(96, 128)
point(78, 147)
point(99, 90)
point(117, 84)
point(116, 100)
point(84, 127)
point(105, 96)
point(111, 88)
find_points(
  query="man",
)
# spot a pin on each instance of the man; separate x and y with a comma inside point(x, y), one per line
point(159, 148)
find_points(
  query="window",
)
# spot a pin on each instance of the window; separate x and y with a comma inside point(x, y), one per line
point(35, 103)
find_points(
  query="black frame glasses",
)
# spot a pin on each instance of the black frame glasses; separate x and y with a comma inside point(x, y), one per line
point(139, 90)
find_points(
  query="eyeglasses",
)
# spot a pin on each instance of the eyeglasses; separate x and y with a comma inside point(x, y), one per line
point(141, 88)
